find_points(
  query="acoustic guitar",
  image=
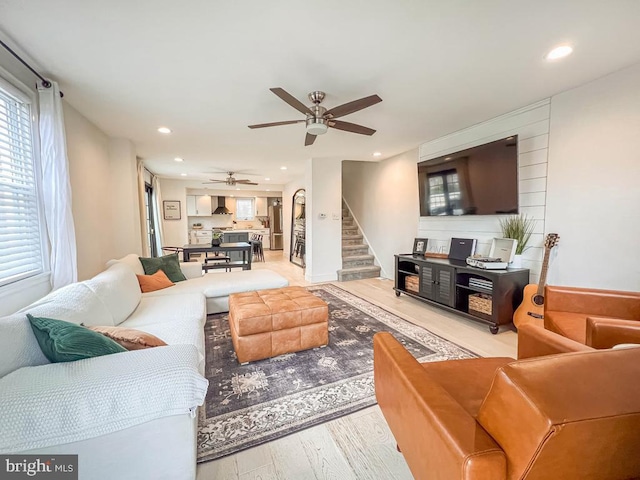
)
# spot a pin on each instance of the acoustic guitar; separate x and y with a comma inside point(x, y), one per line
point(531, 310)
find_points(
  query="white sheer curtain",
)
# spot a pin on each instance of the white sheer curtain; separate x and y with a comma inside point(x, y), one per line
point(144, 225)
point(56, 188)
point(156, 198)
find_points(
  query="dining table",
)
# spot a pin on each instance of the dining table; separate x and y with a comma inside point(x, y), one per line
point(243, 247)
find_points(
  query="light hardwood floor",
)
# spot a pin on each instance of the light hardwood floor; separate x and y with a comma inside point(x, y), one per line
point(360, 445)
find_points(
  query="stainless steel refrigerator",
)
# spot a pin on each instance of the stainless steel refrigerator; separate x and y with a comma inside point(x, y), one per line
point(275, 222)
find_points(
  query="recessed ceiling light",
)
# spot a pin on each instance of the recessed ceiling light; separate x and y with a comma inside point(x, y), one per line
point(183, 174)
point(268, 189)
point(178, 159)
point(376, 154)
point(267, 179)
point(448, 158)
point(559, 52)
point(232, 195)
point(283, 168)
point(237, 188)
point(165, 130)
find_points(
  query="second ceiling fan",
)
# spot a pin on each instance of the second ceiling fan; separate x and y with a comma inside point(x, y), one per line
point(319, 119)
point(231, 181)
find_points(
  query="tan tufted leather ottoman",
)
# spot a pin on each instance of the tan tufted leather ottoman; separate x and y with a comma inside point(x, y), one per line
point(267, 323)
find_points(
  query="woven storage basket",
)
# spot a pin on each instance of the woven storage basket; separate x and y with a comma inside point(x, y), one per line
point(480, 303)
point(412, 283)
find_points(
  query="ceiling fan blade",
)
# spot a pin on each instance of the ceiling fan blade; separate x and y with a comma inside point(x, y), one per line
point(351, 127)
point(291, 100)
point(216, 181)
point(309, 139)
point(275, 124)
point(246, 182)
point(351, 107)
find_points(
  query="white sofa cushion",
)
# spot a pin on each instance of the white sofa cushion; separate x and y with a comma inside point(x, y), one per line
point(174, 319)
point(191, 269)
point(67, 402)
point(75, 303)
point(119, 290)
point(18, 345)
point(132, 260)
point(224, 284)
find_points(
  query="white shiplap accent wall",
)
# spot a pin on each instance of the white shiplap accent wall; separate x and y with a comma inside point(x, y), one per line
point(531, 124)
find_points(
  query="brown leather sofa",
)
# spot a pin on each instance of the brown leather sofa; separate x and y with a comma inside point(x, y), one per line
point(598, 318)
point(570, 416)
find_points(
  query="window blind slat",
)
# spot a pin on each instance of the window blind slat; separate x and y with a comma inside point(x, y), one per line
point(9, 118)
point(20, 232)
point(13, 144)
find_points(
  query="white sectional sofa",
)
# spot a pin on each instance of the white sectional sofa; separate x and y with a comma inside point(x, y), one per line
point(216, 287)
point(129, 415)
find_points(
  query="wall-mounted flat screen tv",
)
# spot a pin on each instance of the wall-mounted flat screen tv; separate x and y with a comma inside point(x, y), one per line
point(482, 180)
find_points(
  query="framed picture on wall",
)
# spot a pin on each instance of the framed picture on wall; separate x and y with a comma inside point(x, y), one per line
point(419, 246)
point(171, 209)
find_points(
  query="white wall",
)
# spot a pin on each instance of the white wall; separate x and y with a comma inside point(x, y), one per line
point(593, 198)
point(104, 198)
point(124, 199)
point(324, 235)
point(88, 152)
point(383, 198)
point(531, 124)
point(175, 231)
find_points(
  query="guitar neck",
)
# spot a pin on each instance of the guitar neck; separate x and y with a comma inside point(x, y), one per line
point(543, 272)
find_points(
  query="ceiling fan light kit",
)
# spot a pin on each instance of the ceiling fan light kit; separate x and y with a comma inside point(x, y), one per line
point(319, 119)
point(316, 127)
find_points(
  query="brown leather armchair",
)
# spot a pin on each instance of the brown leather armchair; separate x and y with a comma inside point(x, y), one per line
point(556, 417)
point(597, 318)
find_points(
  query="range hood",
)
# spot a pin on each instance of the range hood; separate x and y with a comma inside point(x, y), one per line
point(222, 209)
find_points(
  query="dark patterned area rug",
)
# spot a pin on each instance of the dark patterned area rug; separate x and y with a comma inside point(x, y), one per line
point(247, 405)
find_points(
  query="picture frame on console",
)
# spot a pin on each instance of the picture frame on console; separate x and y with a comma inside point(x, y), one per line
point(420, 246)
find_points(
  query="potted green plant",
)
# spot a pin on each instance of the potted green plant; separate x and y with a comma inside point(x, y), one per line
point(520, 228)
point(216, 238)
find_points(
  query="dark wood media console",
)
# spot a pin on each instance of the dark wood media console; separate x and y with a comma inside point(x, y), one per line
point(493, 295)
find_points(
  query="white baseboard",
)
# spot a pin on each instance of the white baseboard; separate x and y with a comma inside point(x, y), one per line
point(328, 277)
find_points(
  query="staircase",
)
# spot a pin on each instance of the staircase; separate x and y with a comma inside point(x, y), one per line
point(356, 261)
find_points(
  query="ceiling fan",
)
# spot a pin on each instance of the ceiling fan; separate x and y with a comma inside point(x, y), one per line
point(231, 181)
point(319, 119)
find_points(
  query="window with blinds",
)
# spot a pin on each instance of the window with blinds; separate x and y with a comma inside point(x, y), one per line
point(244, 209)
point(20, 234)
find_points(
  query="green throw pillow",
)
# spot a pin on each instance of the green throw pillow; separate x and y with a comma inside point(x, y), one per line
point(169, 264)
point(62, 341)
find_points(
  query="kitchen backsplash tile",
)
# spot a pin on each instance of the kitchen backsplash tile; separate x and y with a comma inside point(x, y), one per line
point(224, 221)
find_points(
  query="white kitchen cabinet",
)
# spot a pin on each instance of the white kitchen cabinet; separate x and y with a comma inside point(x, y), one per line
point(261, 207)
point(198, 206)
point(191, 206)
point(203, 205)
